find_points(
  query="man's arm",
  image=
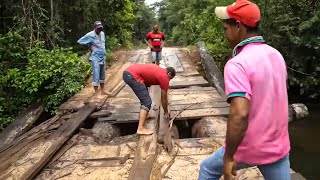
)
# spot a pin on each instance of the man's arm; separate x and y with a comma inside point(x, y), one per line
point(85, 40)
point(164, 101)
point(163, 41)
point(147, 42)
point(237, 124)
point(162, 44)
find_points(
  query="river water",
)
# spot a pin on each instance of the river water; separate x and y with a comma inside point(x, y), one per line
point(305, 144)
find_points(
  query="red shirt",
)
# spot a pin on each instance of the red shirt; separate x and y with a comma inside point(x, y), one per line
point(150, 74)
point(155, 40)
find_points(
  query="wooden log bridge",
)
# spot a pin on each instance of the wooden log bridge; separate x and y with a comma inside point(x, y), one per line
point(94, 137)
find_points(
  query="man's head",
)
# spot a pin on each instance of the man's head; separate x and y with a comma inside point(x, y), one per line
point(155, 29)
point(171, 72)
point(98, 27)
point(240, 20)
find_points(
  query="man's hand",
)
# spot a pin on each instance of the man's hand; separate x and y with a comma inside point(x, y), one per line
point(167, 116)
point(229, 168)
point(151, 46)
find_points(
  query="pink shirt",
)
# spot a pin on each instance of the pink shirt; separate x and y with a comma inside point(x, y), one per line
point(259, 73)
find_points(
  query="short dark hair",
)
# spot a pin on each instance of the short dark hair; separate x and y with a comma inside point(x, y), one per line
point(233, 22)
point(171, 71)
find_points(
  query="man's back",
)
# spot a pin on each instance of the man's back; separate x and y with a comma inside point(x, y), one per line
point(260, 71)
point(150, 74)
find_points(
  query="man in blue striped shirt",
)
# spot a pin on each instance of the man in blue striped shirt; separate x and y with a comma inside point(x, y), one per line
point(95, 40)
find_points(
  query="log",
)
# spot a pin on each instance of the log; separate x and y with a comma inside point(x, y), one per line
point(105, 131)
point(21, 124)
point(58, 138)
point(213, 74)
point(209, 127)
point(297, 111)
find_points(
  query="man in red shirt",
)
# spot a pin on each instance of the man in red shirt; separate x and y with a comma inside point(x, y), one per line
point(141, 76)
point(155, 40)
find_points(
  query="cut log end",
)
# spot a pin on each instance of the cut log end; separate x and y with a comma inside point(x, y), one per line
point(298, 111)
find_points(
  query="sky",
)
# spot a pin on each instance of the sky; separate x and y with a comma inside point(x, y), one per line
point(151, 1)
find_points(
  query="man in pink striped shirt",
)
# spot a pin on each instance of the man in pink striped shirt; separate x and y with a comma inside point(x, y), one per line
point(255, 84)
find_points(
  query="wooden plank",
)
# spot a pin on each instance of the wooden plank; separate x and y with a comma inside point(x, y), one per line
point(200, 113)
point(21, 124)
point(121, 117)
point(184, 79)
point(146, 151)
point(58, 138)
point(170, 59)
point(101, 113)
point(194, 97)
point(194, 101)
point(40, 129)
point(213, 74)
point(182, 82)
point(128, 108)
point(193, 88)
point(199, 106)
point(181, 91)
point(184, 74)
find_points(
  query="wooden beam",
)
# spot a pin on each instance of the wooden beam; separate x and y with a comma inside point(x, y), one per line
point(99, 114)
point(194, 101)
point(199, 106)
point(193, 88)
point(182, 92)
point(179, 85)
point(146, 151)
point(21, 124)
point(121, 117)
point(58, 138)
point(200, 113)
point(213, 74)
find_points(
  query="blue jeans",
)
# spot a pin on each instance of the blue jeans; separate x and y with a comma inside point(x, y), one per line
point(212, 168)
point(139, 89)
point(99, 75)
point(156, 56)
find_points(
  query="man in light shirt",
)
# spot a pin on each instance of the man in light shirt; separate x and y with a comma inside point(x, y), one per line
point(255, 84)
point(95, 40)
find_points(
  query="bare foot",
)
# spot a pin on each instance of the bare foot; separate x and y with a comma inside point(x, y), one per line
point(144, 131)
point(96, 94)
point(105, 93)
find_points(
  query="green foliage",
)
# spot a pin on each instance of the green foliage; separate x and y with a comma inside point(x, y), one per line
point(144, 20)
point(34, 68)
point(36, 74)
point(187, 22)
point(292, 27)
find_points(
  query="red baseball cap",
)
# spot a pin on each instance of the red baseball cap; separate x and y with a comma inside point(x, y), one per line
point(244, 11)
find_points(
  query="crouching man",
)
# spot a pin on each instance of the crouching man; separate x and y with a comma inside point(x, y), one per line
point(141, 76)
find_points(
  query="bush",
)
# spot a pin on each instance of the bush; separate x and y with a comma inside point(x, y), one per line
point(33, 73)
